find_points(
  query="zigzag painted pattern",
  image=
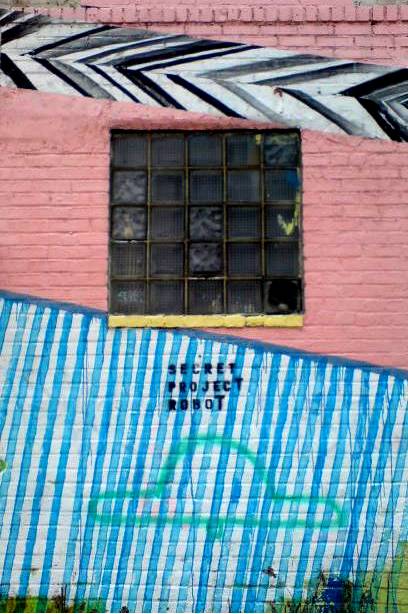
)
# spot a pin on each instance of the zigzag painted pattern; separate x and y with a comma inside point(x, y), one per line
point(106, 491)
point(219, 78)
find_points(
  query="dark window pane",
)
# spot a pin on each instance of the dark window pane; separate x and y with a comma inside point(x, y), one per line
point(282, 296)
point(205, 150)
point(244, 297)
point(168, 151)
point(206, 223)
point(281, 186)
point(167, 223)
point(244, 259)
point(244, 222)
point(166, 297)
point(128, 223)
point(167, 187)
point(205, 187)
point(129, 151)
point(129, 187)
point(128, 259)
point(205, 258)
point(127, 297)
point(243, 186)
point(205, 296)
point(167, 259)
point(281, 222)
point(282, 259)
point(242, 150)
point(281, 149)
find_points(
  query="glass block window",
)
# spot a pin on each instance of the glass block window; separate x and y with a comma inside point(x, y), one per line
point(205, 223)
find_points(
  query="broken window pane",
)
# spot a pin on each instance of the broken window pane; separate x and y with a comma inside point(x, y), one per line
point(282, 296)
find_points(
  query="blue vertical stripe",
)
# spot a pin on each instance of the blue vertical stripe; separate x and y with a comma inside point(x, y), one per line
point(45, 451)
point(64, 454)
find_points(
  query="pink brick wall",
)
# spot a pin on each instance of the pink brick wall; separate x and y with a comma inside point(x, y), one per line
point(54, 157)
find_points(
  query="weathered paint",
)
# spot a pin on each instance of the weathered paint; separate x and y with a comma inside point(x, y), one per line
point(271, 468)
point(227, 321)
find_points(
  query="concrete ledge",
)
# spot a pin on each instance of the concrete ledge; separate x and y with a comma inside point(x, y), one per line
point(206, 321)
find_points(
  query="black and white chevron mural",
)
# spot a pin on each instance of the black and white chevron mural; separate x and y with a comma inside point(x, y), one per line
point(206, 76)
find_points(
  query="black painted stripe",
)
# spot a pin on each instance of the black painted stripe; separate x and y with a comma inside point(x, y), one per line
point(378, 111)
point(151, 88)
point(70, 39)
point(191, 47)
point(311, 75)
point(103, 74)
point(211, 100)
point(14, 73)
point(335, 118)
point(395, 77)
point(23, 28)
point(137, 45)
point(58, 73)
point(187, 60)
point(301, 59)
point(8, 17)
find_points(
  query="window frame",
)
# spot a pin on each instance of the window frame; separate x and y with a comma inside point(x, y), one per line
point(227, 320)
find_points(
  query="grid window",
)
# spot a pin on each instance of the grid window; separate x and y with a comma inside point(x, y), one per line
point(205, 223)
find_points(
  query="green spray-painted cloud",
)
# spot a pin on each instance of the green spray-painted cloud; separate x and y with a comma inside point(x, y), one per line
point(215, 525)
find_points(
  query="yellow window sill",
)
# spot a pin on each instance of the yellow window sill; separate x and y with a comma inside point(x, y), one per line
point(211, 321)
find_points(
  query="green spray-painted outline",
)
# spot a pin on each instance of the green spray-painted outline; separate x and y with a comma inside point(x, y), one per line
point(215, 525)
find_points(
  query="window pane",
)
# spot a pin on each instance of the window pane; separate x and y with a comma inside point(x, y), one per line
point(127, 297)
point(205, 296)
point(205, 150)
point(281, 222)
point(167, 187)
point(242, 150)
point(166, 297)
point(244, 259)
point(244, 297)
point(167, 151)
point(167, 223)
point(281, 186)
point(205, 258)
point(244, 222)
point(129, 151)
point(205, 187)
point(282, 296)
point(244, 186)
point(128, 223)
point(129, 187)
point(167, 259)
point(128, 259)
point(282, 259)
point(206, 223)
point(281, 149)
